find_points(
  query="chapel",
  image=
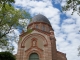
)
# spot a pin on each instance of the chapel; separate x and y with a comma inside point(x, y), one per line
point(39, 43)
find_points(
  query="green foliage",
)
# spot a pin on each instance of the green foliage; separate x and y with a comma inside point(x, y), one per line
point(3, 2)
point(29, 30)
point(9, 19)
point(72, 4)
point(7, 56)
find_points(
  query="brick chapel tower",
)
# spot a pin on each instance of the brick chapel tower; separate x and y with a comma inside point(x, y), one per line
point(40, 44)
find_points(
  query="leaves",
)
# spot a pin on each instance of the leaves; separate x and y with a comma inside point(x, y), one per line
point(7, 56)
point(29, 30)
point(3, 2)
point(9, 19)
point(72, 4)
point(69, 1)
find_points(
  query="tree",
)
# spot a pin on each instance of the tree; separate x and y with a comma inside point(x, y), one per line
point(9, 2)
point(7, 56)
point(9, 19)
point(72, 4)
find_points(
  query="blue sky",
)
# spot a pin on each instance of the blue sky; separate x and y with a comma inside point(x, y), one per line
point(65, 25)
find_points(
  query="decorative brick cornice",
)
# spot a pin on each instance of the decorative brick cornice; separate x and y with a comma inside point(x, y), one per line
point(41, 31)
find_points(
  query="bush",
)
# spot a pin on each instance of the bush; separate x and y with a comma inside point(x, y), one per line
point(7, 56)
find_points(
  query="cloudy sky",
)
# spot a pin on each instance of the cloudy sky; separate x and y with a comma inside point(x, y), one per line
point(65, 25)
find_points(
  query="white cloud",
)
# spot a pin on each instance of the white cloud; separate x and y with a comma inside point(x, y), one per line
point(67, 34)
point(70, 29)
point(42, 7)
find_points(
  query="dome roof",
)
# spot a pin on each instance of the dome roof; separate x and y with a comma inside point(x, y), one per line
point(40, 18)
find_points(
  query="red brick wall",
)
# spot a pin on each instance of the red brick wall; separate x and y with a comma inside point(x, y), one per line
point(47, 52)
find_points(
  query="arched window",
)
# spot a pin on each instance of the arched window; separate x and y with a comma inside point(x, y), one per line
point(34, 56)
point(37, 26)
point(43, 28)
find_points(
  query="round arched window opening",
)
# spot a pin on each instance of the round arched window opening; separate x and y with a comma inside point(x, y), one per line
point(37, 26)
point(34, 56)
point(43, 27)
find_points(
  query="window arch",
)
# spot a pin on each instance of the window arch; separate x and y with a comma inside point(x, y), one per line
point(34, 56)
point(43, 27)
point(37, 26)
